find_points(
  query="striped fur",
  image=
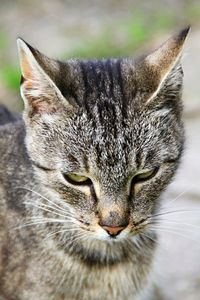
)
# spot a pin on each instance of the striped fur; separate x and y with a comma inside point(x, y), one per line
point(108, 120)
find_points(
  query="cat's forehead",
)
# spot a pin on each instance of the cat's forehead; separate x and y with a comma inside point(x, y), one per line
point(112, 142)
point(115, 145)
point(100, 83)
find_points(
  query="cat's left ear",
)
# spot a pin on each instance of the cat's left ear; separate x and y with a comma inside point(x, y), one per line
point(161, 70)
point(38, 88)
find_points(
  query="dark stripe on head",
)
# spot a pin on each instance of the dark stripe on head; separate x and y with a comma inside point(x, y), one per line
point(66, 85)
point(86, 85)
point(123, 96)
point(104, 81)
point(110, 74)
point(103, 88)
point(96, 77)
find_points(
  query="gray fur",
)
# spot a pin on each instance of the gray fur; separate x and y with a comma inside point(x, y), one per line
point(106, 120)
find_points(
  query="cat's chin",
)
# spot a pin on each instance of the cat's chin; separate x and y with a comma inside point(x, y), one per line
point(110, 251)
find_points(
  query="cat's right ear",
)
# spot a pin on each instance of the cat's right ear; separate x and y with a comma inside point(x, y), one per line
point(161, 71)
point(38, 89)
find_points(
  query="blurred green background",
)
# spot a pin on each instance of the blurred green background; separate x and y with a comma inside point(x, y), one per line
point(86, 28)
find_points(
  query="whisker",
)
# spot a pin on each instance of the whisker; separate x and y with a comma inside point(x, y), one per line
point(176, 198)
point(41, 222)
point(173, 212)
point(62, 231)
point(29, 219)
point(160, 221)
point(50, 207)
point(147, 236)
point(38, 194)
point(135, 241)
point(167, 230)
point(160, 250)
point(77, 237)
point(45, 209)
point(37, 221)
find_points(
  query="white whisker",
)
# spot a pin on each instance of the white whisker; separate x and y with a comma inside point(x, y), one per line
point(77, 237)
point(169, 230)
point(61, 231)
point(147, 236)
point(38, 194)
point(176, 198)
point(44, 209)
point(50, 207)
point(165, 221)
point(180, 211)
point(40, 222)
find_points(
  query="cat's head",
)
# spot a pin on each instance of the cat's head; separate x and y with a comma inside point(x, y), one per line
point(104, 136)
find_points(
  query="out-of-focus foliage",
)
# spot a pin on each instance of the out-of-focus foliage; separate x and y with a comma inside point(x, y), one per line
point(10, 75)
point(140, 22)
point(126, 37)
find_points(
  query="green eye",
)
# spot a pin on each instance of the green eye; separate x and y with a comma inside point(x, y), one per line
point(145, 175)
point(77, 179)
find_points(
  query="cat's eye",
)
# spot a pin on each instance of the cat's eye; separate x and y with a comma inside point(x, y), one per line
point(76, 179)
point(145, 175)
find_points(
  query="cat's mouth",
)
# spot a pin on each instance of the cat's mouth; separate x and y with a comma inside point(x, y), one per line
point(111, 250)
point(119, 233)
point(93, 245)
point(101, 230)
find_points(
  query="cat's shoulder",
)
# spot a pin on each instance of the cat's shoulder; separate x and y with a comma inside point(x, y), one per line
point(15, 165)
point(6, 116)
point(12, 145)
point(12, 133)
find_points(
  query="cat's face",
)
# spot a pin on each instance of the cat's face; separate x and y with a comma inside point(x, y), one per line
point(105, 138)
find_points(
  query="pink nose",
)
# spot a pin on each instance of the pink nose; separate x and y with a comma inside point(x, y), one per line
point(113, 231)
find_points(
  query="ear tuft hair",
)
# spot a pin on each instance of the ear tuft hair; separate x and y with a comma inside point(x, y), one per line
point(38, 90)
point(164, 64)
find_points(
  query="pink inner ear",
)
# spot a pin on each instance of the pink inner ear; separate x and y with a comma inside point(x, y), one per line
point(25, 67)
point(40, 103)
point(41, 96)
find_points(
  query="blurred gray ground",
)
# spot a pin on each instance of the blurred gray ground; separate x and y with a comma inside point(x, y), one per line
point(178, 260)
point(54, 29)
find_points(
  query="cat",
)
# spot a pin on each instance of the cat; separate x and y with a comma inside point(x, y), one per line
point(82, 173)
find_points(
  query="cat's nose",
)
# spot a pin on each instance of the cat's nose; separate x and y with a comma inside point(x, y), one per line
point(113, 231)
